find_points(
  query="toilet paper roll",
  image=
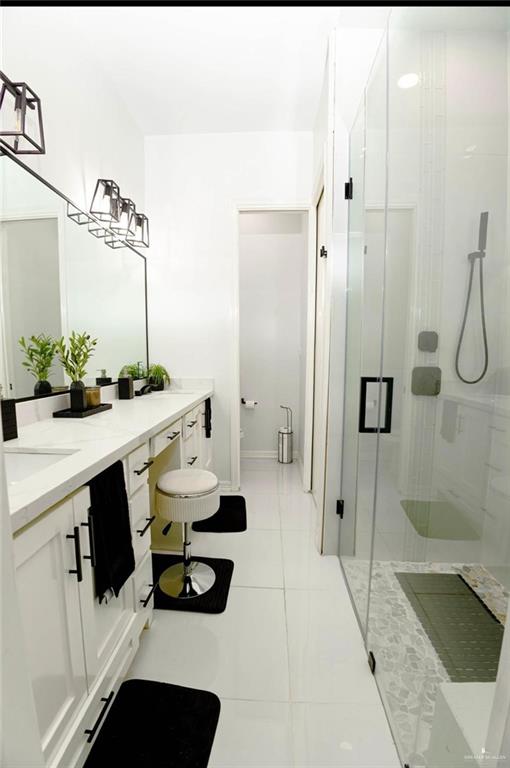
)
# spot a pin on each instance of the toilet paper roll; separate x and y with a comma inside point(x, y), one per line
point(250, 404)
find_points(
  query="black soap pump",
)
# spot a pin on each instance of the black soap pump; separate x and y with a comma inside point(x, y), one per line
point(103, 379)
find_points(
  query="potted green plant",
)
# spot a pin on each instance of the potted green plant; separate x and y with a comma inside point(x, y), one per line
point(158, 376)
point(39, 353)
point(74, 360)
point(135, 370)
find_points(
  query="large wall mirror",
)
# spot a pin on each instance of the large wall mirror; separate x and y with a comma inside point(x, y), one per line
point(57, 277)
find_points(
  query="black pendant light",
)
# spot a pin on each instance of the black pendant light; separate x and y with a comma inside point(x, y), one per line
point(141, 236)
point(105, 203)
point(21, 126)
point(125, 224)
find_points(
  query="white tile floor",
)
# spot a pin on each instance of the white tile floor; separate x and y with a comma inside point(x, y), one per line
point(286, 658)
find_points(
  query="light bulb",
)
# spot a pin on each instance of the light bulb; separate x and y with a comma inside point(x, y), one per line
point(409, 80)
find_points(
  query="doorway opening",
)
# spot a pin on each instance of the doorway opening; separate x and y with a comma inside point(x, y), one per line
point(273, 328)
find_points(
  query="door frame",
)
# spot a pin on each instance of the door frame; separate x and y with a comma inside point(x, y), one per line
point(235, 409)
point(6, 362)
point(319, 191)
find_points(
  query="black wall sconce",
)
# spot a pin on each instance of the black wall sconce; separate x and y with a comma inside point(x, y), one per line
point(21, 127)
point(141, 237)
point(121, 220)
point(125, 225)
point(105, 203)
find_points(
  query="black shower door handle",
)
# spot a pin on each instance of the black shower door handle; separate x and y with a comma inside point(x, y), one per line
point(373, 387)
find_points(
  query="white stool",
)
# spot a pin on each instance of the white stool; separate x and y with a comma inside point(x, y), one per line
point(185, 496)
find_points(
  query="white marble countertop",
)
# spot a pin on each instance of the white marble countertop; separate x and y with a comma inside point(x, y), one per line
point(96, 442)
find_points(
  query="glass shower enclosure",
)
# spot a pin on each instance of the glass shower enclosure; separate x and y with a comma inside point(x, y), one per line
point(425, 539)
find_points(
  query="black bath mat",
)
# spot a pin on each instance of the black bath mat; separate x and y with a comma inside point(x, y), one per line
point(213, 601)
point(179, 732)
point(465, 634)
point(230, 518)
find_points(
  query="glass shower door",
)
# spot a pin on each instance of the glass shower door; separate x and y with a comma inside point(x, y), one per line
point(438, 591)
point(365, 284)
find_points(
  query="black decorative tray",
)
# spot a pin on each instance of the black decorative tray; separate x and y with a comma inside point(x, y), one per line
point(67, 413)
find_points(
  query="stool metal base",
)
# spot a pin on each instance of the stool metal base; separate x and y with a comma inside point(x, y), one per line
point(174, 583)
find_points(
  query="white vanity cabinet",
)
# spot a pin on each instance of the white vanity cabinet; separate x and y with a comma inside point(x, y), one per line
point(78, 649)
point(49, 598)
point(197, 448)
point(166, 437)
point(191, 427)
point(103, 623)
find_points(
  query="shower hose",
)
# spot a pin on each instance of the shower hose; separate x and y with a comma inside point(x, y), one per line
point(473, 257)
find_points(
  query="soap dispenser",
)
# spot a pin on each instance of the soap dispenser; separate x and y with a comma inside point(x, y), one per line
point(103, 379)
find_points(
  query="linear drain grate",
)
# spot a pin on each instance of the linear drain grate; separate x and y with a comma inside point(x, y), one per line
point(465, 634)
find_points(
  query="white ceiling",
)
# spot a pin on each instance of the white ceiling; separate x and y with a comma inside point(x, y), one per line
point(211, 69)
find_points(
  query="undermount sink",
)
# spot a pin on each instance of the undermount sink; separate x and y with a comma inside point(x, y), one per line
point(20, 464)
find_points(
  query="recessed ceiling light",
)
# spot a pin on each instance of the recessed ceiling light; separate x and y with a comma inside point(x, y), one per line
point(409, 80)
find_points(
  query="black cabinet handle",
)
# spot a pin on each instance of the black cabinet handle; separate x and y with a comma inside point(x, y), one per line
point(192, 423)
point(145, 602)
point(77, 552)
point(92, 731)
point(166, 529)
point(192, 461)
point(146, 465)
point(146, 528)
point(90, 526)
point(172, 436)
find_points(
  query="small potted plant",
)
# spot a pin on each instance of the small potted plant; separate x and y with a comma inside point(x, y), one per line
point(74, 361)
point(158, 376)
point(135, 370)
point(39, 353)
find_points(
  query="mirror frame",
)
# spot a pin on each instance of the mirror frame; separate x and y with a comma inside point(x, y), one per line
point(6, 153)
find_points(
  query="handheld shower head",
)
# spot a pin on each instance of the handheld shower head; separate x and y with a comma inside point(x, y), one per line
point(472, 257)
point(482, 231)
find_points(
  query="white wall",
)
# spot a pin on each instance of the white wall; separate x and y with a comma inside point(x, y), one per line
point(272, 307)
point(89, 132)
point(194, 184)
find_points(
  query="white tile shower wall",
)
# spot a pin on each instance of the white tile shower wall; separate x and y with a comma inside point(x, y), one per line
point(476, 119)
point(194, 184)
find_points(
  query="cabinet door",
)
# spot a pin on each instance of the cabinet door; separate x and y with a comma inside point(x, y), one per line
point(103, 624)
point(191, 439)
point(48, 595)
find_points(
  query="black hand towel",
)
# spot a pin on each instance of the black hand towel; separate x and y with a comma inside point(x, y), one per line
point(115, 559)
